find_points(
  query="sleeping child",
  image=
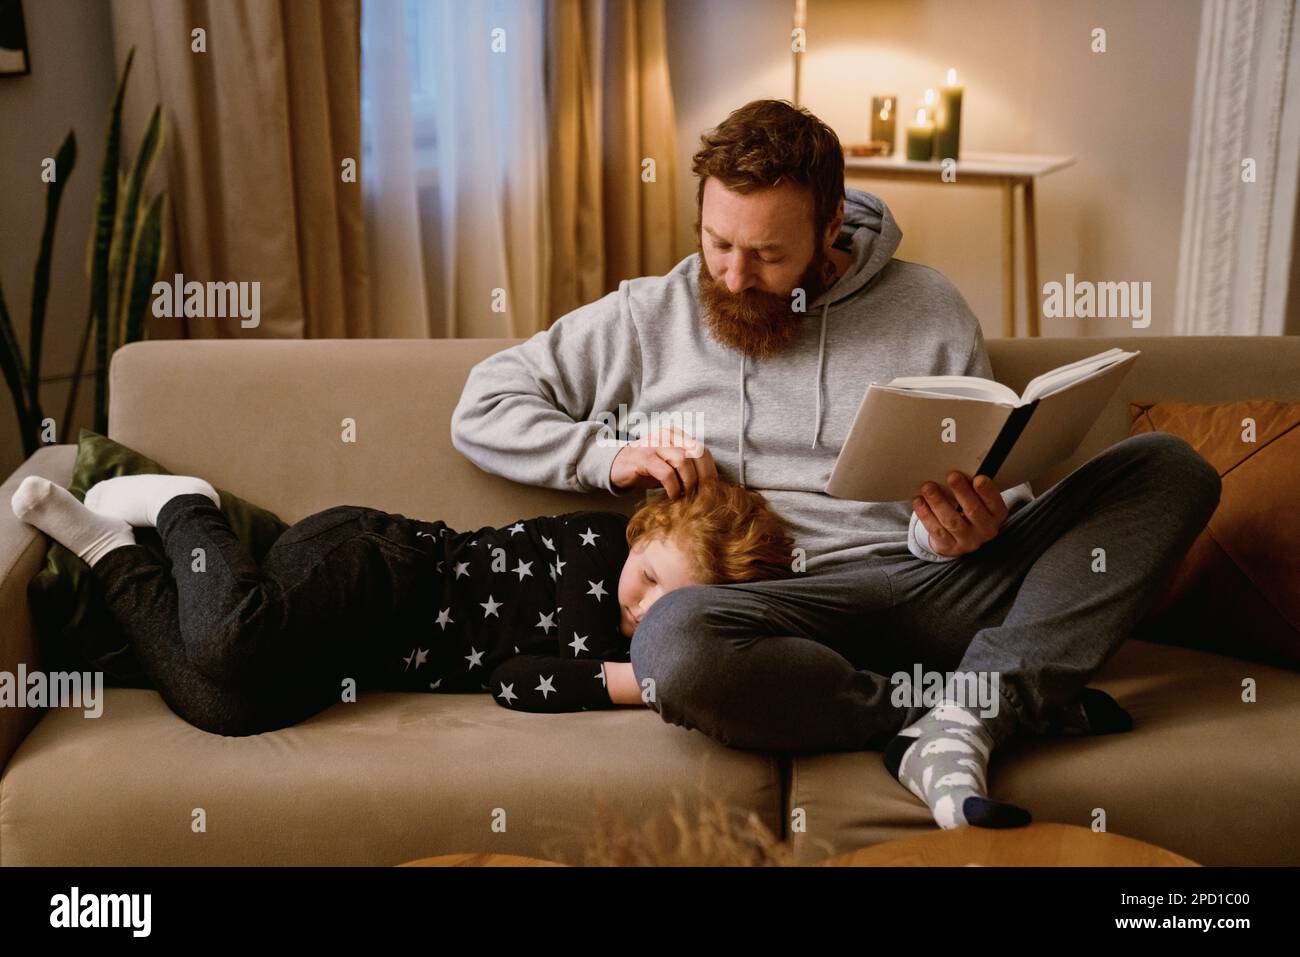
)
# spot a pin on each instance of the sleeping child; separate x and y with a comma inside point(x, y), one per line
point(538, 613)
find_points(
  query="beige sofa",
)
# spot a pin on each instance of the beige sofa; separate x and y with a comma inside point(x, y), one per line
point(400, 776)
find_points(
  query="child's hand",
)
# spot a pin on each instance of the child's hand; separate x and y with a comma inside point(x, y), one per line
point(620, 682)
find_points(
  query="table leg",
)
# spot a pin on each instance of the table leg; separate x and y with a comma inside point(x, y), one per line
point(1008, 259)
point(1033, 300)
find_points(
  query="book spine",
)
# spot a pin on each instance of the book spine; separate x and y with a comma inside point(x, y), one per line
point(1006, 440)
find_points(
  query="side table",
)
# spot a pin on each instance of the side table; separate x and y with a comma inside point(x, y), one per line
point(1005, 171)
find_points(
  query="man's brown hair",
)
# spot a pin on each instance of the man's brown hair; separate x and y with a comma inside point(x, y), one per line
point(767, 142)
point(728, 533)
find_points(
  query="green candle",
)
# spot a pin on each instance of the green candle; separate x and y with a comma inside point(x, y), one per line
point(920, 137)
point(947, 136)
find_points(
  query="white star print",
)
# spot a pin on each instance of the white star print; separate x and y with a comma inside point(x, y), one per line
point(508, 692)
point(408, 659)
point(559, 565)
point(444, 619)
point(474, 658)
point(522, 569)
point(545, 622)
point(548, 543)
point(591, 540)
point(578, 644)
point(421, 657)
point(434, 685)
point(439, 566)
point(490, 607)
point(552, 568)
point(601, 675)
point(597, 588)
point(516, 527)
point(546, 686)
point(462, 568)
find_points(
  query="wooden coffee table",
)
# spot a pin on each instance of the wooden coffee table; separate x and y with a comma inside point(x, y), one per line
point(479, 860)
point(1038, 845)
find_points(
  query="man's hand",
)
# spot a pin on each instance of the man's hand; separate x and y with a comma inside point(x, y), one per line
point(955, 531)
point(669, 457)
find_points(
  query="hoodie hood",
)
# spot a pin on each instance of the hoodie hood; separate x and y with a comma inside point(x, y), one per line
point(871, 236)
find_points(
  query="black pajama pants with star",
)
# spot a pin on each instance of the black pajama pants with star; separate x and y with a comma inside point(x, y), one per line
point(235, 648)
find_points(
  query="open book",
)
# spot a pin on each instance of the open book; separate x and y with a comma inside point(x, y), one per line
point(919, 428)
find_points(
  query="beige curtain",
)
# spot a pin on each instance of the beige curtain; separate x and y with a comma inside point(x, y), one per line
point(260, 126)
point(610, 109)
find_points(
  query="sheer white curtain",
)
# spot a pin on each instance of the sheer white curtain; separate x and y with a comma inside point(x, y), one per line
point(1234, 271)
point(454, 166)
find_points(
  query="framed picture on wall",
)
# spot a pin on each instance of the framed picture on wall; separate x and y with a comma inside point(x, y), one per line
point(13, 40)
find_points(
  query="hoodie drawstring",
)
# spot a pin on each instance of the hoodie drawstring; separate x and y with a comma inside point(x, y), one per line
point(821, 355)
point(742, 419)
point(817, 423)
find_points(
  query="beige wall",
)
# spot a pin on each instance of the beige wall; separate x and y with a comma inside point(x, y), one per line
point(1032, 86)
point(70, 86)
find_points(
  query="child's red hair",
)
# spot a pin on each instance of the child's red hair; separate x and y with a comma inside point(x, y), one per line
point(729, 533)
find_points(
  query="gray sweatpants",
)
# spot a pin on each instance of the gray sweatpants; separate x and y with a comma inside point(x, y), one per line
point(804, 664)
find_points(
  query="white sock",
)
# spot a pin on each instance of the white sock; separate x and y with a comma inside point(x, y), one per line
point(137, 499)
point(57, 513)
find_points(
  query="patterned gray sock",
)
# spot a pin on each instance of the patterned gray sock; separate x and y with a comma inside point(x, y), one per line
point(943, 760)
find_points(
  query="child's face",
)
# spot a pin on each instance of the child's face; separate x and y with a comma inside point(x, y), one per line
point(654, 567)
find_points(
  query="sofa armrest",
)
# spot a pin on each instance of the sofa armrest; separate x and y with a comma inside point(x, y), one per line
point(22, 552)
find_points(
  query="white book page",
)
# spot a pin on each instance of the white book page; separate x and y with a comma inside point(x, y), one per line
point(1067, 375)
point(971, 387)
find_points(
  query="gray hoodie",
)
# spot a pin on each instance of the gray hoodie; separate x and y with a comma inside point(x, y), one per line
point(540, 412)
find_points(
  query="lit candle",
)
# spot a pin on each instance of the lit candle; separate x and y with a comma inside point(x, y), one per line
point(920, 137)
point(882, 122)
point(947, 137)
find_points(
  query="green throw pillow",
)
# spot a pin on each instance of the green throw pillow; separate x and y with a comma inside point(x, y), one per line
point(74, 626)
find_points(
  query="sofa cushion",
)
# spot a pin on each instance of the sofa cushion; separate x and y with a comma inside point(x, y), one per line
point(76, 630)
point(391, 778)
point(1237, 591)
point(1202, 773)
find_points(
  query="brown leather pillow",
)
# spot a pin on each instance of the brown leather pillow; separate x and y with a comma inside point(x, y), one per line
point(1238, 590)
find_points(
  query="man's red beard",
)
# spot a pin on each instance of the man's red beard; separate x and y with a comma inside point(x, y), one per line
point(760, 324)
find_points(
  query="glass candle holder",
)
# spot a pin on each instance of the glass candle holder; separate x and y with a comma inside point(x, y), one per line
point(883, 127)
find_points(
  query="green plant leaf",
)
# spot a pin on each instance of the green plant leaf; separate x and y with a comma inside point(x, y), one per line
point(15, 372)
point(130, 206)
point(133, 206)
point(101, 241)
point(124, 239)
point(65, 161)
point(145, 259)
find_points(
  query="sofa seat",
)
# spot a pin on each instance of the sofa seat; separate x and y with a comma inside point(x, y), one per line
point(393, 777)
point(1202, 773)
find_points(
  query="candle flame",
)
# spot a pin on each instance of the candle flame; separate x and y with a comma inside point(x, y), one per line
point(952, 76)
point(929, 97)
point(920, 116)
